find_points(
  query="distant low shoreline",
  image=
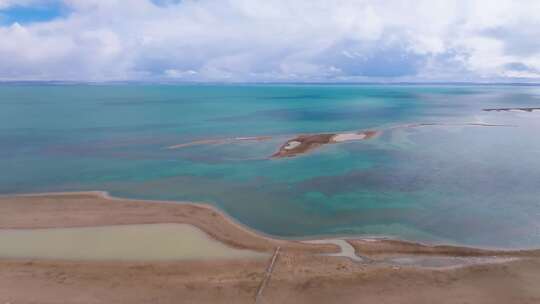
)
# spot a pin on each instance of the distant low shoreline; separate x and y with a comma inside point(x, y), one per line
point(60, 82)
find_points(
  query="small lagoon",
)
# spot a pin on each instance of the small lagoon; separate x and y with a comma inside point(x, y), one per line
point(148, 242)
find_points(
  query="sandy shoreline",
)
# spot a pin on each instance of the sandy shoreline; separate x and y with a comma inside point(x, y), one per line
point(94, 208)
point(304, 273)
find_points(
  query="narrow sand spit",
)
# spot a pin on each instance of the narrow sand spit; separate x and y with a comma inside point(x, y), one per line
point(442, 262)
point(218, 141)
point(305, 143)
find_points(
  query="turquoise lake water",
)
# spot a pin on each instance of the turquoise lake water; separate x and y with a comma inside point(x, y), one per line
point(470, 185)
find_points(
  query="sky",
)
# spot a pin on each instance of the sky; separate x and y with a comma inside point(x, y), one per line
point(271, 40)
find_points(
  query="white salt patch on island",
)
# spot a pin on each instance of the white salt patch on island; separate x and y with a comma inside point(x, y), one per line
point(292, 144)
point(348, 136)
point(123, 242)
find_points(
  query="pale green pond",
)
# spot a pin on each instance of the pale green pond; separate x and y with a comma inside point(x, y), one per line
point(155, 242)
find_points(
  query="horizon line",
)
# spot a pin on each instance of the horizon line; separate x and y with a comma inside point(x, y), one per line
point(157, 82)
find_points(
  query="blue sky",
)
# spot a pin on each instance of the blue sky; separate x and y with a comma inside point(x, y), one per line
point(279, 40)
point(24, 14)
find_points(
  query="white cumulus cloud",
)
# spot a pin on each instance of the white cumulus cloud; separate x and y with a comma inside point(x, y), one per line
point(280, 40)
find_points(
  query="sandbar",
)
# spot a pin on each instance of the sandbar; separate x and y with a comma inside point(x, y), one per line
point(301, 144)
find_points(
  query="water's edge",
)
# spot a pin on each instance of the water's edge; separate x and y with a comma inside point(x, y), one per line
point(107, 196)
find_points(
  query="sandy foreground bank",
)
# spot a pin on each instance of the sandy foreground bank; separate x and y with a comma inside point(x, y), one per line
point(301, 273)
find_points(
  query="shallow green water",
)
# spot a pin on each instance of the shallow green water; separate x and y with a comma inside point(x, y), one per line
point(469, 185)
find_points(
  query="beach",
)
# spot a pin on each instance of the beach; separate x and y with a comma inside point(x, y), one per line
point(389, 271)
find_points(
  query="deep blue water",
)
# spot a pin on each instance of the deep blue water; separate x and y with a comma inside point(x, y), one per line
point(468, 185)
